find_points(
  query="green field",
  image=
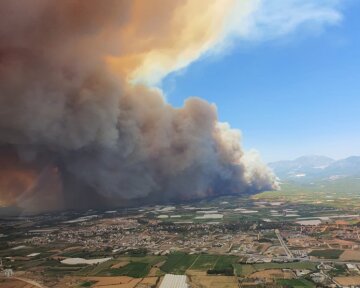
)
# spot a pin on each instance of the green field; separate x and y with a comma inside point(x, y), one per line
point(178, 263)
point(224, 265)
point(61, 270)
point(327, 253)
point(150, 259)
point(295, 283)
point(205, 262)
point(225, 262)
point(137, 266)
point(96, 270)
point(133, 269)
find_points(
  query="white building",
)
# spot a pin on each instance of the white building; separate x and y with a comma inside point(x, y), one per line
point(174, 281)
point(8, 272)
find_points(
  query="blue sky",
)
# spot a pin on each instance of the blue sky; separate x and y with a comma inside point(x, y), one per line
point(294, 95)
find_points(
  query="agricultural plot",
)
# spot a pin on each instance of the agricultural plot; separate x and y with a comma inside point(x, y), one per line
point(225, 262)
point(214, 281)
point(224, 265)
point(14, 283)
point(295, 283)
point(152, 260)
point(178, 263)
point(350, 255)
point(270, 274)
point(62, 270)
point(348, 281)
point(204, 262)
point(87, 283)
point(341, 190)
point(291, 265)
point(109, 282)
point(244, 270)
point(133, 269)
point(85, 254)
point(98, 269)
point(112, 267)
point(327, 253)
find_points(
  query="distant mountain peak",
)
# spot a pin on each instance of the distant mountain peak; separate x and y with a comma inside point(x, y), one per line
point(314, 158)
point(309, 161)
point(316, 166)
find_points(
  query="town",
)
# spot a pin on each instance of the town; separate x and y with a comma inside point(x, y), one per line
point(222, 242)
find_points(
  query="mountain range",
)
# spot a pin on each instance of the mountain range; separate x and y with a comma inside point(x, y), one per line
point(316, 167)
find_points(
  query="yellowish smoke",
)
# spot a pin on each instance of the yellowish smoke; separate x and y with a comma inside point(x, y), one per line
point(165, 36)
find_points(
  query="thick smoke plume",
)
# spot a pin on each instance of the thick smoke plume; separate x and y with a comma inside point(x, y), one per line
point(74, 131)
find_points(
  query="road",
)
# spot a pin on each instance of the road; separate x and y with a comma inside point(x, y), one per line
point(283, 244)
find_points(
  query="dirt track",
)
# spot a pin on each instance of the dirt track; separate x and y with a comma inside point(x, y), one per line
point(18, 282)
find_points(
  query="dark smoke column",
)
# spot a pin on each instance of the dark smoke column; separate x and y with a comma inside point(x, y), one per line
point(65, 103)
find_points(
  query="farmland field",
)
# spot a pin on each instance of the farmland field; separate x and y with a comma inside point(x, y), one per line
point(327, 253)
point(108, 282)
point(307, 193)
point(350, 255)
point(225, 262)
point(353, 281)
point(214, 281)
point(296, 283)
point(244, 270)
point(152, 260)
point(270, 274)
point(14, 283)
point(205, 262)
point(96, 270)
point(87, 283)
point(133, 269)
point(178, 263)
point(291, 265)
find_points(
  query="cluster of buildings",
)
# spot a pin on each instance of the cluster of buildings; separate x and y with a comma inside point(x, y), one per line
point(253, 240)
